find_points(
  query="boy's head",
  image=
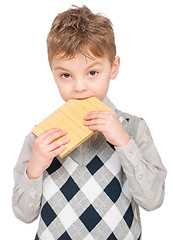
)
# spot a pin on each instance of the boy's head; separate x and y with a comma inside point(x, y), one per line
point(81, 53)
point(79, 30)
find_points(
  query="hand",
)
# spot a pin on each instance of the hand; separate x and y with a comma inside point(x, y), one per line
point(109, 124)
point(45, 148)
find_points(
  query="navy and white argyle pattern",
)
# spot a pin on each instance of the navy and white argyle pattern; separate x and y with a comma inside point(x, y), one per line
point(88, 202)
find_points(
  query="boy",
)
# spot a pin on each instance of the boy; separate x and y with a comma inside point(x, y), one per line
point(96, 190)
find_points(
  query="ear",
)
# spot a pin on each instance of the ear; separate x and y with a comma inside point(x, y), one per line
point(115, 68)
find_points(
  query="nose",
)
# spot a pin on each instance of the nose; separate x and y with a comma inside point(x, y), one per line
point(80, 85)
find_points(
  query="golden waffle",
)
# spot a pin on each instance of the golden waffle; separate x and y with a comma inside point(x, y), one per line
point(70, 117)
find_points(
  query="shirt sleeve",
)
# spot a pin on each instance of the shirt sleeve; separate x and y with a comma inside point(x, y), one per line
point(27, 193)
point(144, 169)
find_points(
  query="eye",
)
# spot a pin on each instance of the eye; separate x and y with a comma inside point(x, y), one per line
point(93, 73)
point(65, 75)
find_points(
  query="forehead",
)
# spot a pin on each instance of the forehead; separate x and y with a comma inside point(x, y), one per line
point(86, 58)
point(78, 54)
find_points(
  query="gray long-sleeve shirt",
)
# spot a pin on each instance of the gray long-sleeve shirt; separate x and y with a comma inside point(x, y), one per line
point(139, 159)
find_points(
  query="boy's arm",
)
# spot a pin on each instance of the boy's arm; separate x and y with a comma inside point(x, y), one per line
point(26, 193)
point(144, 169)
point(35, 157)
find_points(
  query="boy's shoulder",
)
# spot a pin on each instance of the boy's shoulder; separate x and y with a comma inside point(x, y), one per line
point(125, 115)
point(121, 115)
point(129, 121)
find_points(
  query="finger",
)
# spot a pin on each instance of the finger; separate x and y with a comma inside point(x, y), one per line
point(97, 114)
point(100, 128)
point(53, 136)
point(47, 132)
point(94, 122)
point(57, 151)
point(58, 143)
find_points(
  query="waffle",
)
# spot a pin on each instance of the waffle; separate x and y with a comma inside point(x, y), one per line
point(70, 117)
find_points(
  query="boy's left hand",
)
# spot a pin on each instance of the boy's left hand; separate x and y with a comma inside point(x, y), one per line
point(109, 124)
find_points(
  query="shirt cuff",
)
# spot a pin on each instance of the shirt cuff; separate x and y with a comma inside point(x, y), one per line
point(32, 186)
point(131, 152)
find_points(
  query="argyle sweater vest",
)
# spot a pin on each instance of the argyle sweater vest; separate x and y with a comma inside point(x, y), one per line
point(88, 198)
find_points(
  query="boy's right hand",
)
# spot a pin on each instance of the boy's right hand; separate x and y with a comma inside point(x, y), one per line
point(44, 150)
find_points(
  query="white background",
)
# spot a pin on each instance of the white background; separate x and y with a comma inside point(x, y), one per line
point(143, 32)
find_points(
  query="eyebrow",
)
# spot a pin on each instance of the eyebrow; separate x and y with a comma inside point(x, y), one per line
point(94, 64)
point(90, 66)
point(61, 68)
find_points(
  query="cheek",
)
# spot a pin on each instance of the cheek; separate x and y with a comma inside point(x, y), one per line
point(64, 91)
point(103, 84)
point(61, 85)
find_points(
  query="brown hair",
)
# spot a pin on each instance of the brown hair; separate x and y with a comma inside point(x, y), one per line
point(80, 30)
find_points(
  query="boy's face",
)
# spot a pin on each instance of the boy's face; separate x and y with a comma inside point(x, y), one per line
point(81, 77)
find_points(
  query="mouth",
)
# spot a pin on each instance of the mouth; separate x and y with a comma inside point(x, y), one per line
point(80, 98)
